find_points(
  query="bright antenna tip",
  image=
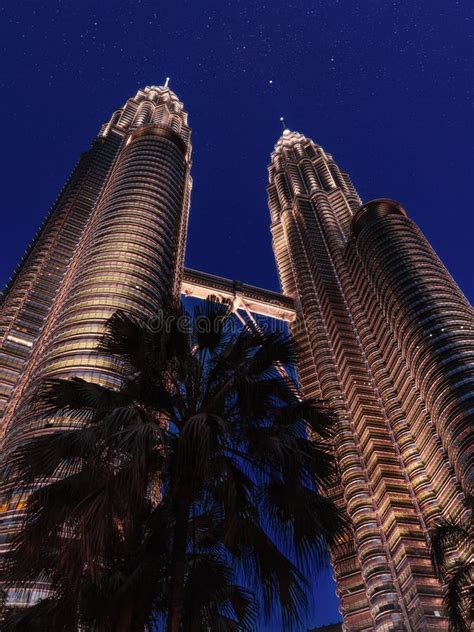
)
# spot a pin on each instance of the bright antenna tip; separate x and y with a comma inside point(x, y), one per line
point(285, 129)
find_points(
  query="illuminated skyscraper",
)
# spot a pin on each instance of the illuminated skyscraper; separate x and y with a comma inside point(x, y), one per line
point(114, 240)
point(386, 337)
point(384, 333)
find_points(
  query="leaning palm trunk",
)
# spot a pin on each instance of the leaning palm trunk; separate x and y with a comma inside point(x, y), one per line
point(191, 474)
point(178, 566)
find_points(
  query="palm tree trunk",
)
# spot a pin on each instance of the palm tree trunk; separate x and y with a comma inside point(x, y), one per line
point(125, 623)
point(176, 601)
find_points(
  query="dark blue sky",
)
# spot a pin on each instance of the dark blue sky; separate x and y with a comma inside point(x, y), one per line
point(385, 86)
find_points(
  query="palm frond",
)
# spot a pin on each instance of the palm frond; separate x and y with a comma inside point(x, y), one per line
point(209, 323)
point(47, 614)
point(260, 399)
point(69, 523)
point(271, 574)
point(76, 397)
point(41, 457)
point(445, 538)
point(459, 599)
point(213, 599)
point(310, 521)
point(124, 337)
point(197, 446)
point(147, 346)
point(315, 414)
point(276, 451)
point(273, 348)
point(234, 492)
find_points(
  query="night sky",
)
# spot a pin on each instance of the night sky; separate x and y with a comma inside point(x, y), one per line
point(385, 86)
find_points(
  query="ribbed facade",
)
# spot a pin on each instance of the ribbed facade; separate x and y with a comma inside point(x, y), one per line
point(27, 300)
point(127, 251)
point(386, 336)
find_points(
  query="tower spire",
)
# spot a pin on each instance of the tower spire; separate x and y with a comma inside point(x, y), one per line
point(283, 124)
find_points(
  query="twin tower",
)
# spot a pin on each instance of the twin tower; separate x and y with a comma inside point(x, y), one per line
point(385, 335)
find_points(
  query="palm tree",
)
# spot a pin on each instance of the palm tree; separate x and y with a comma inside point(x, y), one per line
point(453, 561)
point(177, 499)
